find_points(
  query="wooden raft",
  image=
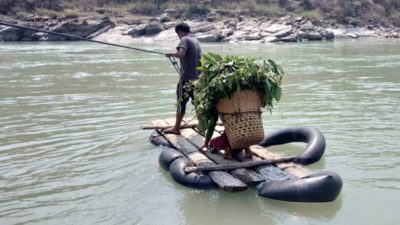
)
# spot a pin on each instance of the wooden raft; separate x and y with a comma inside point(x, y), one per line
point(190, 141)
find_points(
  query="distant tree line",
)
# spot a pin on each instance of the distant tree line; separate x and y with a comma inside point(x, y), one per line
point(355, 12)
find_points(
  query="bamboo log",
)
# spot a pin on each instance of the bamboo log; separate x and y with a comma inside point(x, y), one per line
point(296, 170)
point(231, 166)
point(192, 124)
point(247, 176)
point(268, 172)
point(221, 178)
point(153, 127)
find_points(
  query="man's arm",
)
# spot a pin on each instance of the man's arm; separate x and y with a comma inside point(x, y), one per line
point(180, 54)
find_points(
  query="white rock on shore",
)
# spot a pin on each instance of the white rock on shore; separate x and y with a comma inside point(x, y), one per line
point(117, 34)
point(247, 30)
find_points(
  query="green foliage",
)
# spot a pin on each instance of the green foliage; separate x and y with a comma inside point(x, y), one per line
point(272, 11)
point(159, 3)
point(312, 15)
point(21, 15)
point(71, 14)
point(224, 75)
point(48, 4)
point(197, 9)
point(143, 8)
point(47, 12)
point(180, 7)
point(354, 21)
point(396, 19)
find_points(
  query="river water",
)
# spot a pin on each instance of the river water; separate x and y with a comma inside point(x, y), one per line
point(72, 151)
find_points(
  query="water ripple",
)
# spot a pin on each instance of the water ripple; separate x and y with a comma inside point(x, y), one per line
point(72, 153)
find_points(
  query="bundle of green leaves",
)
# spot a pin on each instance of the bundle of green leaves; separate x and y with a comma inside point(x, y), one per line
point(223, 75)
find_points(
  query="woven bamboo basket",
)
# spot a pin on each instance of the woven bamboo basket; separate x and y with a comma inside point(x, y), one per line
point(241, 116)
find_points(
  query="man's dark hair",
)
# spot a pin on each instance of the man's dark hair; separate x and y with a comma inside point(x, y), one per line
point(182, 27)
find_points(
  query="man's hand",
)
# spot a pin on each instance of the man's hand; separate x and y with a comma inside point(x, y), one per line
point(180, 54)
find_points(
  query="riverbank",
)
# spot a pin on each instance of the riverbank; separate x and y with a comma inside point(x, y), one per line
point(213, 27)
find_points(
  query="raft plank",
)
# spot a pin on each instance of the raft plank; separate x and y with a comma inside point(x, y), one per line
point(219, 129)
point(169, 122)
point(180, 142)
point(281, 171)
point(247, 176)
point(193, 137)
point(186, 122)
point(223, 179)
point(197, 158)
point(293, 168)
point(269, 172)
point(233, 164)
point(219, 177)
point(159, 123)
point(152, 127)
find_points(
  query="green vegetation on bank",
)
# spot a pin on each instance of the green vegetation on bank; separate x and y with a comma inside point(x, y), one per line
point(354, 12)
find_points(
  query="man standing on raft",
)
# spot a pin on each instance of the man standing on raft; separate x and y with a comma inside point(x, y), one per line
point(189, 53)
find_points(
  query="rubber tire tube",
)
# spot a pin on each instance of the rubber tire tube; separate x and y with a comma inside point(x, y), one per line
point(321, 186)
point(313, 137)
point(157, 139)
point(167, 156)
point(193, 180)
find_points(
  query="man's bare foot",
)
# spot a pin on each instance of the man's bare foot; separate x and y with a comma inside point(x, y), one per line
point(172, 131)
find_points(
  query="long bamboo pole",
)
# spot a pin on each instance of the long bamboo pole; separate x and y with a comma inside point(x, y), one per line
point(231, 166)
point(79, 38)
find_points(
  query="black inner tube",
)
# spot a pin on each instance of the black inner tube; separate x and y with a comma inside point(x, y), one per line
point(311, 136)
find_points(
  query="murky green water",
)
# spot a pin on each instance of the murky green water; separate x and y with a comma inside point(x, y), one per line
point(71, 151)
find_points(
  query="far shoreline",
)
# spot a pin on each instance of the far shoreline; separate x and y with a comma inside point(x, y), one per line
point(149, 43)
point(213, 29)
